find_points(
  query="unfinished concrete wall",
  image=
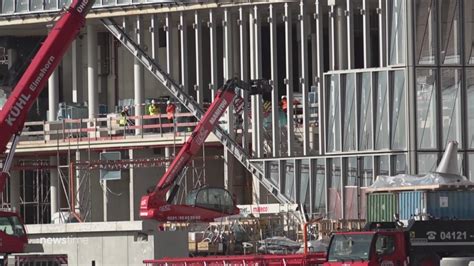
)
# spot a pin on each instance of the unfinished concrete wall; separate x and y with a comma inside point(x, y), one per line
point(111, 243)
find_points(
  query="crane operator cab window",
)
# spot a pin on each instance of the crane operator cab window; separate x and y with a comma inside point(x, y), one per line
point(11, 225)
point(216, 199)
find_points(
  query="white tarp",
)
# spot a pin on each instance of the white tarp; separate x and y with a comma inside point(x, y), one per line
point(421, 180)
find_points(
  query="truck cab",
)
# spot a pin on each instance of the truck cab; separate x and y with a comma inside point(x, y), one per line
point(367, 248)
point(13, 237)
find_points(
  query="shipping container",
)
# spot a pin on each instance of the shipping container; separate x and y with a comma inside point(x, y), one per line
point(381, 207)
point(411, 203)
point(450, 204)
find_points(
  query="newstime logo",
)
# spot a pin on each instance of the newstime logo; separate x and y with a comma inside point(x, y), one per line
point(63, 240)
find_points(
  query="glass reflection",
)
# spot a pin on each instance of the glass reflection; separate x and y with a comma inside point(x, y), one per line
point(319, 187)
point(425, 16)
point(365, 117)
point(450, 104)
point(334, 116)
point(426, 108)
point(381, 114)
point(349, 114)
point(396, 17)
point(398, 111)
point(450, 32)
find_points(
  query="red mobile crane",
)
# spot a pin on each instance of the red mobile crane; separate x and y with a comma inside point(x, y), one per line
point(204, 204)
point(13, 237)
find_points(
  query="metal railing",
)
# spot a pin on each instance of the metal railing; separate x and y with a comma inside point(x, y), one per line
point(106, 128)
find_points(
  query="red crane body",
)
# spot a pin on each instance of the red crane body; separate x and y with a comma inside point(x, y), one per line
point(15, 111)
point(210, 204)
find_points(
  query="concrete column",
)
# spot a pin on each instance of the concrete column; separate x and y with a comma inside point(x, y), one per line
point(12, 56)
point(105, 201)
point(199, 87)
point(213, 50)
point(341, 42)
point(131, 187)
point(54, 186)
point(15, 190)
point(366, 34)
point(349, 34)
point(289, 78)
point(276, 132)
point(382, 33)
point(320, 78)
point(244, 62)
point(155, 35)
point(92, 88)
point(229, 115)
point(183, 30)
point(172, 53)
point(76, 61)
point(304, 79)
point(112, 82)
point(138, 79)
point(53, 96)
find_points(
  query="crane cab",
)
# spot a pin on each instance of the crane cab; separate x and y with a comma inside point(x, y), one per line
point(13, 237)
point(211, 198)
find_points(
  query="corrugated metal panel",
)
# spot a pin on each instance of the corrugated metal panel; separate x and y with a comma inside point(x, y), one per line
point(451, 204)
point(410, 203)
point(381, 207)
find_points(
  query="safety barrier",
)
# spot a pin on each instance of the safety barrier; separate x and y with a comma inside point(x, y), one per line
point(244, 260)
point(105, 128)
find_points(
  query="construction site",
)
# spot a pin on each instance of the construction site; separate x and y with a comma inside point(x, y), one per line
point(303, 132)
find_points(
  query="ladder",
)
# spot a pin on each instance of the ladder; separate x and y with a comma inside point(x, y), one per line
point(174, 88)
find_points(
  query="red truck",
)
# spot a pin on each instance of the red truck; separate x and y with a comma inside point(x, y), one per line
point(422, 243)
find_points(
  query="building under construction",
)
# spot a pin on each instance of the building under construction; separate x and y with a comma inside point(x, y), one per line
point(361, 88)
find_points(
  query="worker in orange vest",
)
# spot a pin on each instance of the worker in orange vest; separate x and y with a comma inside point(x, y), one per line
point(284, 103)
point(170, 111)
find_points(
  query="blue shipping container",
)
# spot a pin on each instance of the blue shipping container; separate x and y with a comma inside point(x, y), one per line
point(411, 203)
point(451, 204)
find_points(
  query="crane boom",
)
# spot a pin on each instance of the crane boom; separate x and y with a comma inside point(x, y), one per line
point(15, 111)
point(152, 205)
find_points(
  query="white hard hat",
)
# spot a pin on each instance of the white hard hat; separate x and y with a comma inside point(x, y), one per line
point(153, 101)
point(283, 97)
point(168, 102)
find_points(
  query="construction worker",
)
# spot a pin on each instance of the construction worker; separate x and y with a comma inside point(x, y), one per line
point(170, 111)
point(153, 110)
point(123, 120)
point(284, 103)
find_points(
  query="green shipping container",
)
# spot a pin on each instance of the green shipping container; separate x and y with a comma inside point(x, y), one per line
point(381, 207)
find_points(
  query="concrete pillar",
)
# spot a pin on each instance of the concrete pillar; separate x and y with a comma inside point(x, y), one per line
point(183, 30)
point(341, 33)
point(53, 96)
point(15, 190)
point(12, 56)
point(138, 79)
point(244, 60)
point(199, 87)
point(76, 61)
point(213, 51)
point(276, 132)
point(289, 79)
point(54, 186)
point(155, 35)
point(320, 77)
point(92, 88)
point(229, 115)
point(131, 187)
point(105, 198)
point(112, 82)
point(304, 78)
point(172, 53)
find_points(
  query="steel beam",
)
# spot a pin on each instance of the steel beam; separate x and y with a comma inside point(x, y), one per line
point(304, 79)
point(213, 50)
point(320, 78)
point(289, 78)
point(199, 67)
point(276, 131)
point(183, 29)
